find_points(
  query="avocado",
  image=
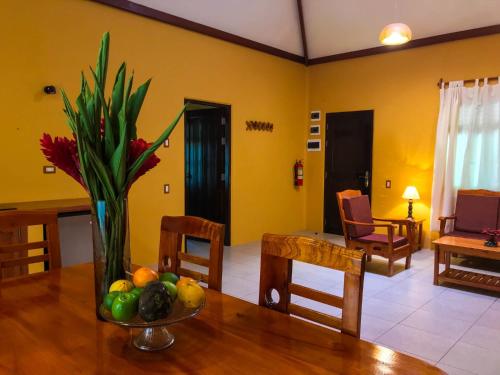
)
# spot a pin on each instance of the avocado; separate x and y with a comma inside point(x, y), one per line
point(155, 302)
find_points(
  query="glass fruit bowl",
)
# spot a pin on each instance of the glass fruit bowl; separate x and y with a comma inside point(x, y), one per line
point(154, 335)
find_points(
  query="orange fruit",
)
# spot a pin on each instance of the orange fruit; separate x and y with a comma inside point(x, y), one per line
point(183, 281)
point(143, 276)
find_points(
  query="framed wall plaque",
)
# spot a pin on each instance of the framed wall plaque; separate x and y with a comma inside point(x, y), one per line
point(314, 129)
point(314, 145)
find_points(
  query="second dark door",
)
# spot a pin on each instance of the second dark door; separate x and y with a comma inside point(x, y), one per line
point(207, 164)
point(348, 160)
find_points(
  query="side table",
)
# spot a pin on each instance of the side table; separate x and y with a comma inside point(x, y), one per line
point(417, 228)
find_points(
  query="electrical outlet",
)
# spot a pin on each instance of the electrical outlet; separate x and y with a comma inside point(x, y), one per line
point(49, 169)
point(166, 143)
point(166, 188)
point(387, 184)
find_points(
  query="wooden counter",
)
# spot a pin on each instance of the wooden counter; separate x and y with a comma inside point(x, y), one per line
point(74, 230)
point(64, 207)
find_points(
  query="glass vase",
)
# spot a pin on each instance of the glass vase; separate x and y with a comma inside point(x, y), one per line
point(111, 245)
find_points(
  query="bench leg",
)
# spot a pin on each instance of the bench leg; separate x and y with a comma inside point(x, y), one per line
point(436, 265)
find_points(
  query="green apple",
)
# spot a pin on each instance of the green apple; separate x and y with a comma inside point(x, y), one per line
point(124, 307)
point(169, 276)
point(110, 297)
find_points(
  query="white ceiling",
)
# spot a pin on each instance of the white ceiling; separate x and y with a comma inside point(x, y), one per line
point(332, 26)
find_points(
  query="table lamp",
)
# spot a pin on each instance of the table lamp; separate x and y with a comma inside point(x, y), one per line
point(410, 194)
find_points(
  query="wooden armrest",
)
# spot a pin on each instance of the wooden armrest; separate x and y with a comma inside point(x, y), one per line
point(442, 224)
point(447, 218)
point(394, 221)
point(368, 224)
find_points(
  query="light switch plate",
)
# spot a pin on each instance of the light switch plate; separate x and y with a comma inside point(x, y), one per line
point(387, 184)
point(49, 169)
point(166, 188)
point(166, 143)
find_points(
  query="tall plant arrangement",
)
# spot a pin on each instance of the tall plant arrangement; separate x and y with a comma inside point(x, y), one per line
point(106, 156)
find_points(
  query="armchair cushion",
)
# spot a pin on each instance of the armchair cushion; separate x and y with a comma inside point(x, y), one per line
point(476, 212)
point(358, 209)
point(397, 241)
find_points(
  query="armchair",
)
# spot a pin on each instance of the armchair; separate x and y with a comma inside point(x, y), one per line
point(475, 211)
point(359, 230)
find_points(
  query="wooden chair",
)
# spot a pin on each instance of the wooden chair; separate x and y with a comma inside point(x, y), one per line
point(171, 255)
point(278, 252)
point(475, 210)
point(359, 227)
point(15, 246)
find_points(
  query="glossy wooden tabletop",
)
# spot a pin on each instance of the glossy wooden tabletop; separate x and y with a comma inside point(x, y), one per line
point(62, 206)
point(48, 326)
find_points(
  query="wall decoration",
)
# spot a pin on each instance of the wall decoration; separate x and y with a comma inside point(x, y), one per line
point(314, 145)
point(260, 126)
point(315, 115)
point(314, 130)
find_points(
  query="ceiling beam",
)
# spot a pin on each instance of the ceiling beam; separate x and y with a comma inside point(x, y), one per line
point(443, 38)
point(232, 38)
point(303, 31)
point(199, 28)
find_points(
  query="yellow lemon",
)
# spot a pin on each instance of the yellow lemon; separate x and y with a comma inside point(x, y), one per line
point(121, 286)
point(191, 294)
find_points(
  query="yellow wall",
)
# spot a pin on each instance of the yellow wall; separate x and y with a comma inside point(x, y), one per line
point(401, 88)
point(50, 41)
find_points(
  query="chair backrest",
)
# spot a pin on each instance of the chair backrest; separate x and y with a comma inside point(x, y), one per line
point(14, 249)
point(354, 207)
point(173, 228)
point(477, 210)
point(279, 251)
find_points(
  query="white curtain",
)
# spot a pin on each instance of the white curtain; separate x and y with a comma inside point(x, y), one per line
point(467, 152)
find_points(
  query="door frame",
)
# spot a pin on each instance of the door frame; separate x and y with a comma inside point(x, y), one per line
point(227, 166)
point(327, 130)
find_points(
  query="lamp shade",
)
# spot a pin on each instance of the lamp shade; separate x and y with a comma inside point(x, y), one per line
point(411, 192)
point(395, 34)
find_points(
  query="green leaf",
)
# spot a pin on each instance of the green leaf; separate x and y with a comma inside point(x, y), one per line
point(134, 168)
point(70, 112)
point(119, 159)
point(101, 69)
point(102, 61)
point(101, 173)
point(108, 147)
point(134, 107)
point(111, 134)
point(84, 118)
point(129, 87)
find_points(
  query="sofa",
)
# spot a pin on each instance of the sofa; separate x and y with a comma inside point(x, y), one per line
point(475, 211)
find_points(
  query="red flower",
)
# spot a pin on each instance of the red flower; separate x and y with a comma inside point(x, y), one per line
point(63, 153)
point(135, 149)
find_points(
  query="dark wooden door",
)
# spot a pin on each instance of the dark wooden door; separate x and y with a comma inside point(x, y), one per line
point(207, 165)
point(348, 160)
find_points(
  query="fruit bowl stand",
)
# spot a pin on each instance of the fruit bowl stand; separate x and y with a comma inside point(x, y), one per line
point(154, 335)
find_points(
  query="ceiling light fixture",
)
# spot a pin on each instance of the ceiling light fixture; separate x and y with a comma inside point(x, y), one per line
point(395, 34)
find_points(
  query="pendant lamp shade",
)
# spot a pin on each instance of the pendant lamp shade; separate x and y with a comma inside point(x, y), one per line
point(395, 34)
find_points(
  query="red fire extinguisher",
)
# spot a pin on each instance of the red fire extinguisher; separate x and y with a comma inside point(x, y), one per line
point(298, 170)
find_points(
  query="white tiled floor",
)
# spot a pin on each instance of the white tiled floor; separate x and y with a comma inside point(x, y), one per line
point(457, 330)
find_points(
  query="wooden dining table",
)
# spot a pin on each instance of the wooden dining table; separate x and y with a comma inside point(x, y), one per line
point(48, 326)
